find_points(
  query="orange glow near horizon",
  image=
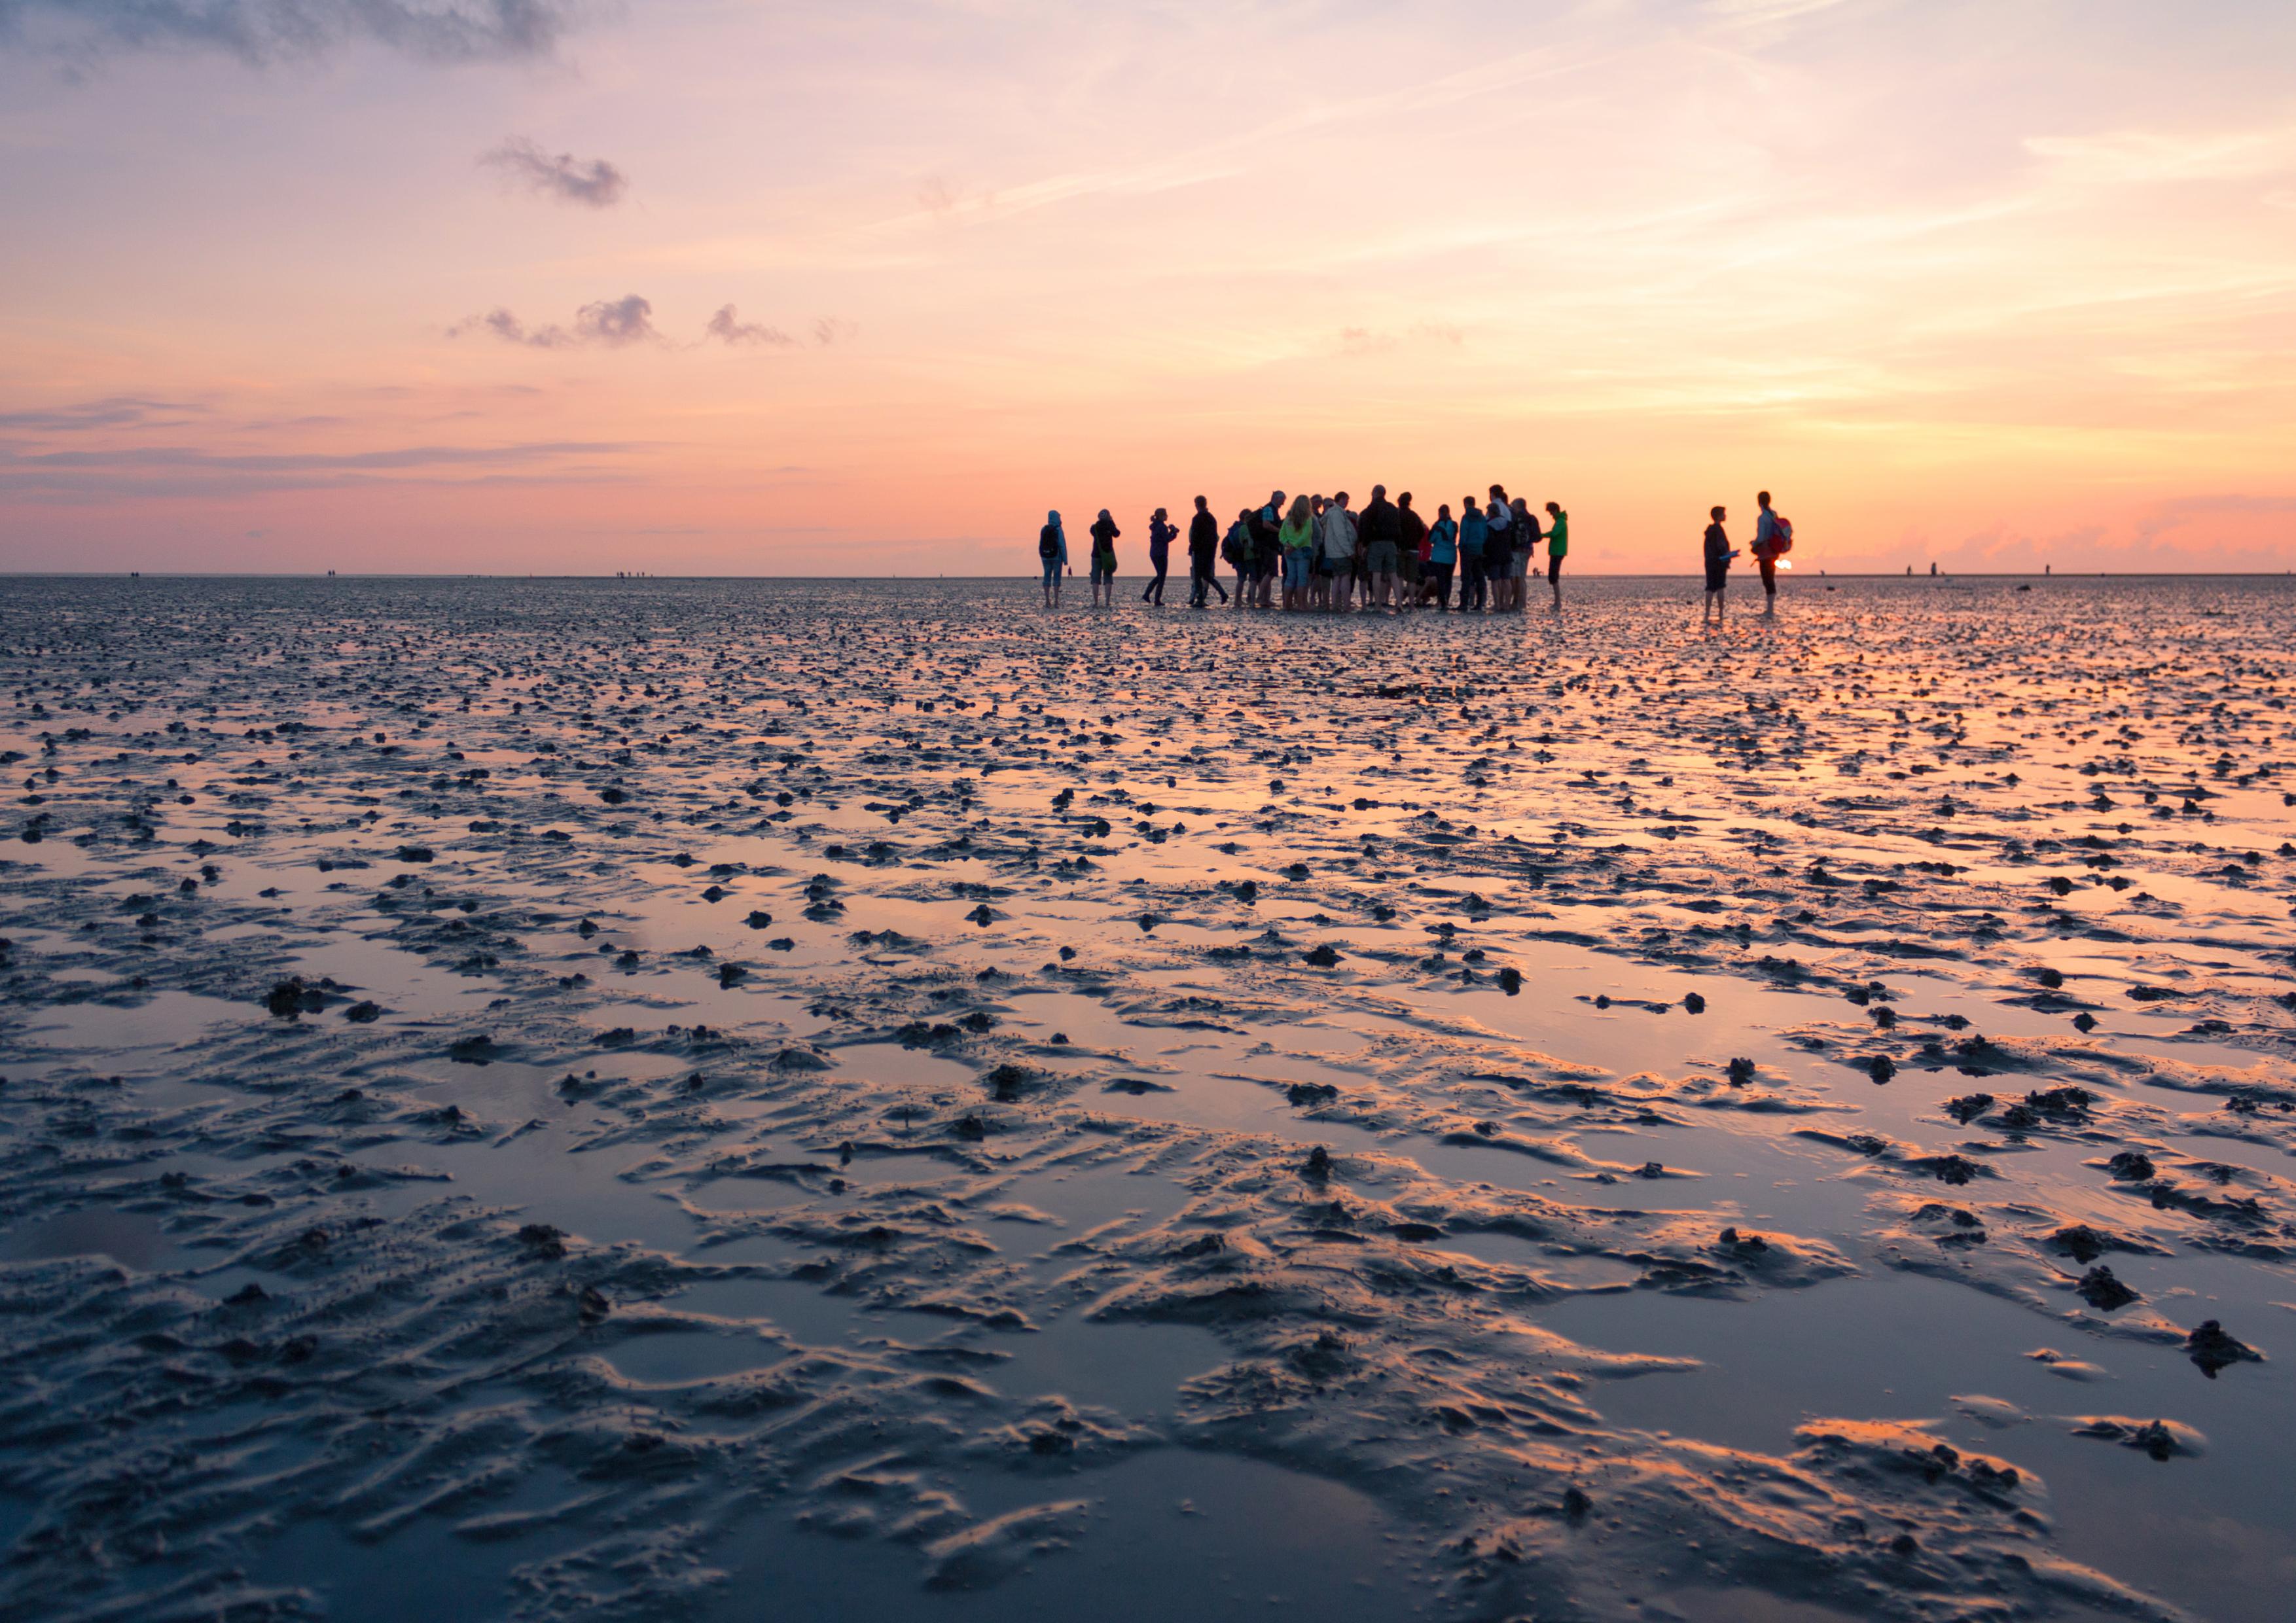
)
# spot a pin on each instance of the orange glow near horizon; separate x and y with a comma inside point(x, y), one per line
point(1991, 291)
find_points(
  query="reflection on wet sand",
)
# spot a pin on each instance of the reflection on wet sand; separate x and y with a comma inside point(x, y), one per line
point(617, 1094)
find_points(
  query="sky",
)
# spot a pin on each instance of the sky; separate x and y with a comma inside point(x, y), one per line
point(865, 287)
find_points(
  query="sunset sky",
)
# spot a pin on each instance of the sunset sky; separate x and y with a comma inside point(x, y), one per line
point(415, 285)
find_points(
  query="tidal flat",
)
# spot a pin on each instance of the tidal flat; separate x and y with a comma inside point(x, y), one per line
point(728, 1100)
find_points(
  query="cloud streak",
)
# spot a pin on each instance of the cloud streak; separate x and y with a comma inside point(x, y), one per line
point(613, 324)
point(259, 32)
point(171, 472)
point(727, 327)
point(560, 176)
point(113, 412)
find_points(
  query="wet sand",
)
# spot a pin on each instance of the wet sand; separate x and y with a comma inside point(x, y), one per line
point(568, 1099)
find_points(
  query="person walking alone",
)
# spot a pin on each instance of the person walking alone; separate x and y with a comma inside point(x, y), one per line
point(1204, 556)
point(1052, 552)
point(1160, 534)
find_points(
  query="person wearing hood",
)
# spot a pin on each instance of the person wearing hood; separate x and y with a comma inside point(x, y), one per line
point(1052, 552)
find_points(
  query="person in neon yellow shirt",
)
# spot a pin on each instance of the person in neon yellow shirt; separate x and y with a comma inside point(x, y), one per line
point(1297, 536)
point(1558, 548)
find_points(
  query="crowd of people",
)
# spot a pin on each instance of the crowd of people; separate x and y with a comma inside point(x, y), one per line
point(1317, 554)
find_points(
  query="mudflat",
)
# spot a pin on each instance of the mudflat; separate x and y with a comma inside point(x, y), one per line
point(734, 1099)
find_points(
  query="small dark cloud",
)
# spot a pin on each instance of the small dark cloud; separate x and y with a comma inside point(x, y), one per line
point(262, 31)
point(559, 176)
point(729, 328)
point(113, 412)
point(614, 322)
point(829, 329)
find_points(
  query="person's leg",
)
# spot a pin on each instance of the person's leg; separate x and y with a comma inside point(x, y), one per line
point(1769, 588)
point(1554, 579)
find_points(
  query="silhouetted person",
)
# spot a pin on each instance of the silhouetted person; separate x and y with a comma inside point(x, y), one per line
point(1052, 552)
point(1103, 558)
point(1765, 554)
point(1558, 548)
point(1442, 555)
point(1474, 531)
point(1204, 556)
point(1717, 567)
point(1160, 534)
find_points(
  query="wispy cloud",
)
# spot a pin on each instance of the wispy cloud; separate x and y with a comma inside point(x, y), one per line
point(829, 329)
point(150, 472)
point(2151, 157)
point(113, 412)
point(262, 31)
point(729, 328)
point(595, 183)
point(613, 323)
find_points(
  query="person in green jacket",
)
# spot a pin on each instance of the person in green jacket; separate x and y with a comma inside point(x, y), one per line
point(1558, 548)
point(1297, 538)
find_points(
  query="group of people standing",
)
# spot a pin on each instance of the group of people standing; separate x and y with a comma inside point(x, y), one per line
point(1318, 551)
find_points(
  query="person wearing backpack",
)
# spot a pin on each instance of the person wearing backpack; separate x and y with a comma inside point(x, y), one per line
point(1103, 558)
point(1772, 540)
point(1203, 550)
point(1235, 546)
point(1558, 548)
point(1052, 552)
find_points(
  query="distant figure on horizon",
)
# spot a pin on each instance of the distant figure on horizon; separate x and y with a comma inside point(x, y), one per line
point(1338, 536)
point(1204, 556)
point(1558, 548)
point(1769, 542)
point(1442, 556)
point(1381, 532)
point(1498, 548)
point(1267, 550)
point(1235, 546)
point(1297, 536)
point(1103, 558)
point(1717, 567)
point(1412, 554)
point(1473, 533)
point(1053, 552)
point(1162, 531)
